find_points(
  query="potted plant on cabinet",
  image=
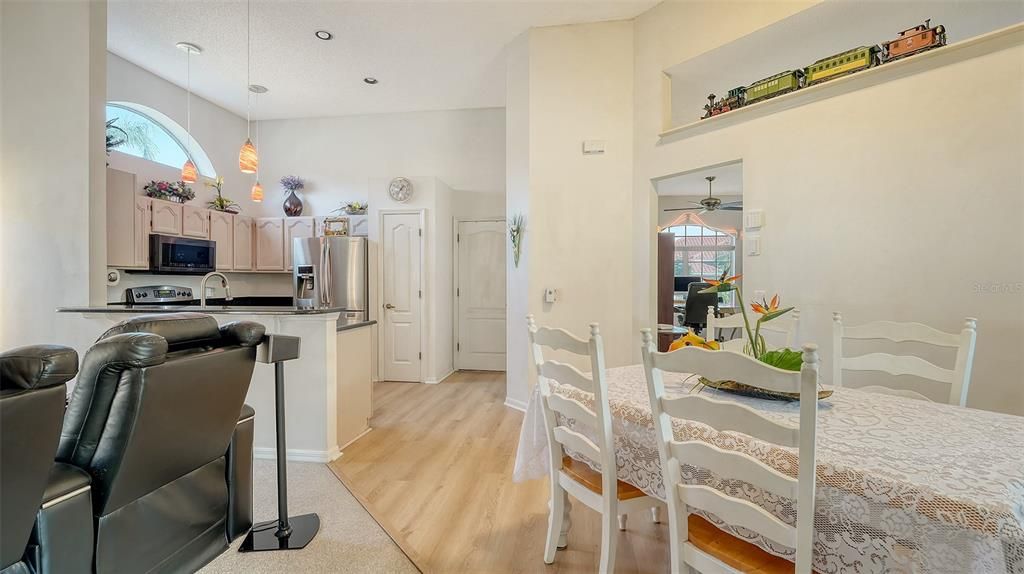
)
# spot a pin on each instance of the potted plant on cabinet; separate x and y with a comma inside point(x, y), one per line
point(221, 203)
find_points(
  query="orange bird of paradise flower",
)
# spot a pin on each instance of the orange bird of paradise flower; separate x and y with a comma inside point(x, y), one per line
point(723, 279)
point(765, 307)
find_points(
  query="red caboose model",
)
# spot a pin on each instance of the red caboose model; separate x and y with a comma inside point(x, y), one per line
point(914, 40)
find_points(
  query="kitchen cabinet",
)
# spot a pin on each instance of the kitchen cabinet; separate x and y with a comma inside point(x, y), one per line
point(166, 217)
point(269, 244)
point(222, 231)
point(120, 214)
point(295, 227)
point(195, 222)
point(242, 248)
point(141, 227)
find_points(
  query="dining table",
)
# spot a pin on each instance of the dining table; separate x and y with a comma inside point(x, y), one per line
point(903, 485)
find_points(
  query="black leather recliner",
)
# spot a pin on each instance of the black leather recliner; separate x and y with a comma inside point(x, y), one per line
point(155, 409)
point(32, 391)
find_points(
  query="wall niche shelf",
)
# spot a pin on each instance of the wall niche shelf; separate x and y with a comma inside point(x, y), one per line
point(990, 42)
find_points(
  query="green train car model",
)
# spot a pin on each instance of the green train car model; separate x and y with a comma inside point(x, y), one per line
point(909, 42)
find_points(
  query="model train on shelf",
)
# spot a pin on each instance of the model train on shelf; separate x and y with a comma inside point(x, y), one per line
point(910, 41)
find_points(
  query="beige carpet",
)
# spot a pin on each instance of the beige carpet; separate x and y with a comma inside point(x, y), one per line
point(349, 539)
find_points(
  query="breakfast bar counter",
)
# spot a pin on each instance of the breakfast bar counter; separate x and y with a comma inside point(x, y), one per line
point(329, 385)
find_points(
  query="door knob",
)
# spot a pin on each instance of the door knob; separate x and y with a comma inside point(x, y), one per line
point(389, 306)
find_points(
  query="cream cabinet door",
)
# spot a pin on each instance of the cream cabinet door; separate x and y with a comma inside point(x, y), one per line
point(269, 244)
point(120, 217)
point(295, 227)
point(195, 222)
point(141, 225)
point(242, 248)
point(222, 232)
point(166, 217)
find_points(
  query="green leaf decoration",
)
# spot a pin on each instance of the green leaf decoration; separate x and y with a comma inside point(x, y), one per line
point(786, 359)
point(720, 288)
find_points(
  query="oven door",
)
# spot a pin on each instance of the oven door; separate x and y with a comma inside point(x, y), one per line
point(181, 255)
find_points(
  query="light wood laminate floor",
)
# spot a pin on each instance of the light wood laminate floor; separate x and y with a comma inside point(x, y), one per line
point(436, 473)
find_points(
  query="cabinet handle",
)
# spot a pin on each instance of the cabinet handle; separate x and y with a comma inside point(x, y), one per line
point(389, 306)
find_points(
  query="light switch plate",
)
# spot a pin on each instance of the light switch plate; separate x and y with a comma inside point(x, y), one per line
point(753, 245)
point(753, 219)
point(593, 147)
point(550, 295)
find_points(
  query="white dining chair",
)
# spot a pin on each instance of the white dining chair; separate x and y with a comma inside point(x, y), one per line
point(787, 326)
point(600, 491)
point(694, 541)
point(958, 378)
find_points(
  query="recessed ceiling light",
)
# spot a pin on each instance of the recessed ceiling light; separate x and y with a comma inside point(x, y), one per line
point(257, 89)
point(370, 80)
point(324, 35)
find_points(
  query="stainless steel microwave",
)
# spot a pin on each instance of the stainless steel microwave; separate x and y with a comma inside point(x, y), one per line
point(181, 255)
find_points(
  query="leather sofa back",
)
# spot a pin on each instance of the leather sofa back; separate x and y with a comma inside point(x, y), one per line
point(158, 397)
point(32, 395)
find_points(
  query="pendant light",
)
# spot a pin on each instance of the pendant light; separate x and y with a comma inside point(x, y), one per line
point(189, 173)
point(257, 190)
point(248, 160)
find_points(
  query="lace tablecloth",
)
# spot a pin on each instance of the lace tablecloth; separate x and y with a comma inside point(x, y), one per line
point(903, 485)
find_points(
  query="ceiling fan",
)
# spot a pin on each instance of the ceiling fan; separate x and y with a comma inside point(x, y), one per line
point(710, 203)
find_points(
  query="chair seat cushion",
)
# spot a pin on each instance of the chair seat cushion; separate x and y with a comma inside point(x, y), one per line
point(591, 479)
point(735, 552)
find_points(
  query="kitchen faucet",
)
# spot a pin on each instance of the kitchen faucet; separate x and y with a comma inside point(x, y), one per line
point(223, 282)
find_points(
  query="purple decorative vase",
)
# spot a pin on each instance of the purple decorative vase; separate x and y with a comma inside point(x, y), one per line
point(292, 205)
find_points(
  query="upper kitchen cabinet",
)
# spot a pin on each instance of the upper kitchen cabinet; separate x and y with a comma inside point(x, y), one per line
point(195, 222)
point(242, 247)
point(222, 232)
point(128, 218)
point(295, 227)
point(167, 217)
point(269, 244)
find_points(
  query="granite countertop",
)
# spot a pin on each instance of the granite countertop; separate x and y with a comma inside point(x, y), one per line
point(212, 309)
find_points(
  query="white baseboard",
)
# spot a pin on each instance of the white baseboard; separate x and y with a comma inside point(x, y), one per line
point(436, 381)
point(515, 404)
point(298, 455)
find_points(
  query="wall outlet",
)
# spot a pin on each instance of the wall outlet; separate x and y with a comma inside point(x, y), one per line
point(550, 295)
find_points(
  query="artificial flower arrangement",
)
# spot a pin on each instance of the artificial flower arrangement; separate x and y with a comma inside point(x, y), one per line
point(176, 191)
point(353, 208)
point(221, 203)
point(755, 346)
point(292, 183)
point(516, 227)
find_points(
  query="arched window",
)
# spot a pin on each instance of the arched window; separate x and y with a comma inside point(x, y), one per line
point(703, 251)
point(146, 133)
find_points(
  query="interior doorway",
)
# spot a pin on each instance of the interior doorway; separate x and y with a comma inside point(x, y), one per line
point(700, 223)
point(480, 303)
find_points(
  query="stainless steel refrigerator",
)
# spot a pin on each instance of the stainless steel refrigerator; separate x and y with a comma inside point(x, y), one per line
point(331, 272)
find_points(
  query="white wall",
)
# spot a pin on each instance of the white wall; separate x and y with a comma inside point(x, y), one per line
point(928, 232)
point(338, 156)
point(578, 87)
point(52, 201)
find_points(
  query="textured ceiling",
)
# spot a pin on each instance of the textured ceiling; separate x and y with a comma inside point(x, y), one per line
point(427, 55)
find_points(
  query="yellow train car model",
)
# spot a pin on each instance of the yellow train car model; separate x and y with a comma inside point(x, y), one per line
point(843, 63)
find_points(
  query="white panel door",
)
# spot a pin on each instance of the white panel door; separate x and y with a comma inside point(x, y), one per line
point(242, 243)
point(401, 296)
point(141, 229)
point(480, 295)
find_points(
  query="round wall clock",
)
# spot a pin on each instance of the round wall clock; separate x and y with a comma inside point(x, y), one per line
point(400, 189)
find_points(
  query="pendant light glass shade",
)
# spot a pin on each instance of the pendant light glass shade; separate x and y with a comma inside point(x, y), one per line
point(248, 161)
point(257, 192)
point(189, 172)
